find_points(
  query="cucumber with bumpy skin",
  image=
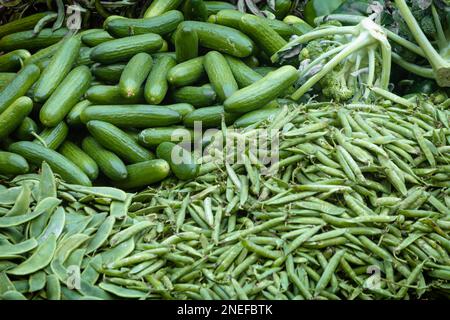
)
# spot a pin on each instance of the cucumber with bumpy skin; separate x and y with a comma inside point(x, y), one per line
point(134, 74)
point(103, 94)
point(108, 162)
point(152, 137)
point(243, 74)
point(12, 117)
point(220, 75)
point(95, 38)
point(73, 117)
point(117, 141)
point(181, 161)
point(29, 41)
point(12, 164)
point(186, 44)
point(13, 61)
point(36, 154)
point(66, 96)
point(199, 97)
point(74, 153)
point(144, 173)
point(263, 91)
point(6, 78)
point(108, 73)
point(186, 73)
point(60, 65)
point(182, 108)
point(156, 86)
point(52, 138)
point(195, 10)
point(209, 117)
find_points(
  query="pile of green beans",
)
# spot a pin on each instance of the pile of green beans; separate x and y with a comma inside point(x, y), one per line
point(358, 207)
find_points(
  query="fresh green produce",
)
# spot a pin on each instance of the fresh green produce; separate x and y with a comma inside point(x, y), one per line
point(186, 44)
point(152, 137)
point(12, 164)
point(156, 86)
point(75, 154)
point(181, 161)
point(203, 96)
point(107, 94)
point(159, 7)
point(134, 74)
point(220, 75)
point(53, 137)
point(29, 41)
point(186, 73)
point(12, 61)
point(12, 117)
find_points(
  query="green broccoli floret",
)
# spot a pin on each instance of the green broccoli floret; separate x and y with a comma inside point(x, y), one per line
point(428, 27)
point(334, 85)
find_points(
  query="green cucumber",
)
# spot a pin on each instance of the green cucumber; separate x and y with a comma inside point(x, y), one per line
point(221, 38)
point(243, 74)
point(251, 61)
point(22, 24)
point(299, 24)
point(117, 141)
point(29, 41)
point(109, 163)
point(44, 54)
point(66, 96)
point(73, 117)
point(42, 64)
point(156, 86)
point(75, 154)
point(195, 10)
point(263, 91)
point(182, 108)
point(108, 73)
point(186, 44)
point(36, 154)
point(220, 75)
point(213, 7)
point(19, 85)
point(102, 94)
point(282, 8)
point(232, 18)
point(144, 174)
point(264, 70)
point(255, 116)
point(13, 61)
point(134, 75)
point(26, 129)
point(186, 73)
point(52, 138)
point(12, 164)
point(124, 48)
point(158, 7)
point(137, 116)
point(199, 97)
point(84, 58)
point(12, 117)
point(60, 65)
point(209, 117)
point(162, 24)
point(181, 161)
point(152, 137)
point(6, 78)
point(260, 31)
point(158, 55)
point(95, 38)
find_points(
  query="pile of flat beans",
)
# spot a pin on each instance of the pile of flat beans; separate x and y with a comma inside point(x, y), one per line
point(357, 207)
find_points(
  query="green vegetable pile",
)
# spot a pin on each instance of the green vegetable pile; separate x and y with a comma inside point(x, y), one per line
point(94, 203)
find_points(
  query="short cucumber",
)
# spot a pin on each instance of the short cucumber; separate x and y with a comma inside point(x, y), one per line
point(221, 38)
point(182, 108)
point(109, 163)
point(186, 44)
point(26, 129)
point(12, 164)
point(134, 75)
point(95, 38)
point(260, 31)
point(22, 24)
point(186, 73)
point(36, 154)
point(84, 58)
point(6, 78)
point(12, 117)
point(181, 161)
point(299, 24)
point(75, 154)
point(108, 73)
point(13, 61)
point(52, 138)
point(158, 55)
point(44, 54)
point(152, 137)
point(243, 74)
point(199, 97)
point(19, 85)
point(209, 117)
point(118, 142)
point(162, 24)
point(158, 7)
point(144, 174)
point(232, 18)
point(213, 7)
point(255, 116)
point(251, 61)
point(28, 41)
point(73, 117)
point(282, 8)
point(102, 94)
point(220, 75)
point(60, 65)
point(124, 48)
point(42, 64)
point(195, 10)
point(137, 116)
point(156, 86)
point(66, 96)
point(263, 91)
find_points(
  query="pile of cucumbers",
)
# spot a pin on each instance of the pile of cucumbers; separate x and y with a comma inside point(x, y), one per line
point(104, 104)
